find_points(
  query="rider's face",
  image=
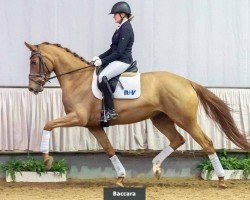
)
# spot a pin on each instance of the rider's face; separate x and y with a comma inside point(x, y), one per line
point(117, 17)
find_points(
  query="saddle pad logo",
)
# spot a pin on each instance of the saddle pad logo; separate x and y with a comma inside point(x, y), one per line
point(129, 92)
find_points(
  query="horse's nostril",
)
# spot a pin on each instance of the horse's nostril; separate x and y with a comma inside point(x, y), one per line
point(30, 89)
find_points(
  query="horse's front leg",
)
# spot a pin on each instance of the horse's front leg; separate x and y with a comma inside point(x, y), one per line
point(102, 138)
point(69, 120)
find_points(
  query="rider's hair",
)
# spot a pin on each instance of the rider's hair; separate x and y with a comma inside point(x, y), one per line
point(130, 17)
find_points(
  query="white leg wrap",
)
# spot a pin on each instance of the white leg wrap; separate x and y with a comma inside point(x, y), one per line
point(118, 166)
point(217, 165)
point(44, 148)
point(162, 155)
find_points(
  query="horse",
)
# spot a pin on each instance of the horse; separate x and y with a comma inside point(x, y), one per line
point(166, 99)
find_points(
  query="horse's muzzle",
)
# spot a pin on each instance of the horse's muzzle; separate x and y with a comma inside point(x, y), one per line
point(36, 90)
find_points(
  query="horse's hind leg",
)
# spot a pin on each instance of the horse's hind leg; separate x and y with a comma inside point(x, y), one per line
point(166, 126)
point(207, 145)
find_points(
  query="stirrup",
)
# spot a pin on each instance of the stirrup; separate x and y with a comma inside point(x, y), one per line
point(103, 117)
point(111, 114)
point(107, 115)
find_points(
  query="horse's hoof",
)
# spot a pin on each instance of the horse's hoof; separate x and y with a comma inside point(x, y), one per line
point(158, 174)
point(222, 183)
point(48, 163)
point(157, 171)
point(119, 181)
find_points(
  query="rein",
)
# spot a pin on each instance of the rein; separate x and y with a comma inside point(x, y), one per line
point(88, 66)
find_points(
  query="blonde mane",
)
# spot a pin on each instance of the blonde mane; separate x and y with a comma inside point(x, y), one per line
point(67, 50)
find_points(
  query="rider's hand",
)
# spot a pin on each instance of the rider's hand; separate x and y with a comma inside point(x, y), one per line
point(95, 58)
point(98, 62)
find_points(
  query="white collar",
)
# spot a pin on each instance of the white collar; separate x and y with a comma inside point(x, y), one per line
point(123, 21)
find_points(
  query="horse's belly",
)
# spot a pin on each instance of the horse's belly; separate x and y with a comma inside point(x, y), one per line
point(133, 116)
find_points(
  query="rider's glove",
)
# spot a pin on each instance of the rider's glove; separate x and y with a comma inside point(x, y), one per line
point(98, 62)
point(95, 58)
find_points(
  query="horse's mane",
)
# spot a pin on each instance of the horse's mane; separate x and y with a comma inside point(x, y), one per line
point(68, 50)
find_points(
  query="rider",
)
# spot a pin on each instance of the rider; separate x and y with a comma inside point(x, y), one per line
point(119, 56)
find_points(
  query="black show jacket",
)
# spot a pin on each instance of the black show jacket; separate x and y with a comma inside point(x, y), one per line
point(121, 47)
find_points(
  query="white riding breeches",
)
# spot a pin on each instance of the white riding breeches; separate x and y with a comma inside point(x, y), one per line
point(113, 69)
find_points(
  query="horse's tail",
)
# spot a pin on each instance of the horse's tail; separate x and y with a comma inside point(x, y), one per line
point(219, 112)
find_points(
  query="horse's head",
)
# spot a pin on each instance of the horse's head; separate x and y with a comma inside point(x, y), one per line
point(40, 69)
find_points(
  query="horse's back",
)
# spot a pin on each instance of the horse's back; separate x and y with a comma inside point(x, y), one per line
point(167, 81)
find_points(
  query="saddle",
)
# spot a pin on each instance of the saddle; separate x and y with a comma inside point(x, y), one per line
point(131, 71)
point(124, 86)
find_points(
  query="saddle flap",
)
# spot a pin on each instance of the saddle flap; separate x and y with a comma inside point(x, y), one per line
point(131, 87)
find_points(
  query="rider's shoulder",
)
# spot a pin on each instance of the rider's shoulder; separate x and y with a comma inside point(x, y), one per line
point(126, 27)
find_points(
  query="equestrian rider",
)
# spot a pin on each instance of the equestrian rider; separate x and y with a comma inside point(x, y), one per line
point(118, 57)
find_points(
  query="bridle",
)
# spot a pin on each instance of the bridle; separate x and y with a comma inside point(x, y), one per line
point(44, 71)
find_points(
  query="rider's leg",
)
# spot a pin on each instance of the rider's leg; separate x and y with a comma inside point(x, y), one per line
point(112, 70)
point(108, 98)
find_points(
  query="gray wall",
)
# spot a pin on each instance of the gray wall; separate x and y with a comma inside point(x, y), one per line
point(88, 166)
point(205, 41)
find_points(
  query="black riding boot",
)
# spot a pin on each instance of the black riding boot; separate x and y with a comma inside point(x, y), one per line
point(108, 100)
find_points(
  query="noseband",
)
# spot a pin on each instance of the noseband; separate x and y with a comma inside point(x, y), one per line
point(44, 71)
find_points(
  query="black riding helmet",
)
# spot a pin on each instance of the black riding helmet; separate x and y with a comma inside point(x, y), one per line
point(121, 7)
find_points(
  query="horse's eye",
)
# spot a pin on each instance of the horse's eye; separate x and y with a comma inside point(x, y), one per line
point(33, 62)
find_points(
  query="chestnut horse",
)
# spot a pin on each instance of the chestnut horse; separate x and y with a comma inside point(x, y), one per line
point(167, 99)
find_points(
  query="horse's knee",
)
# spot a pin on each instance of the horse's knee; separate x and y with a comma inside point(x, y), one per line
point(48, 126)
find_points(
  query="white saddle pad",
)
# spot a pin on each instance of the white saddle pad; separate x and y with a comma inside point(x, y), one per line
point(131, 87)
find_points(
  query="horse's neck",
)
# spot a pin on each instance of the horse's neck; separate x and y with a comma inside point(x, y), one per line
point(73, 80)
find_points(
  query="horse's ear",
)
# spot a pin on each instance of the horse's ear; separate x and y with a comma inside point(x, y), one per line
point(30, 46)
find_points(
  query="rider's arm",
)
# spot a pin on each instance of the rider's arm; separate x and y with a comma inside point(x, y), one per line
point(124, 39)
point(106, 53)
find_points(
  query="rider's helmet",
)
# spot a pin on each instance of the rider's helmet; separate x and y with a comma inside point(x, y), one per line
point(121, 7)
